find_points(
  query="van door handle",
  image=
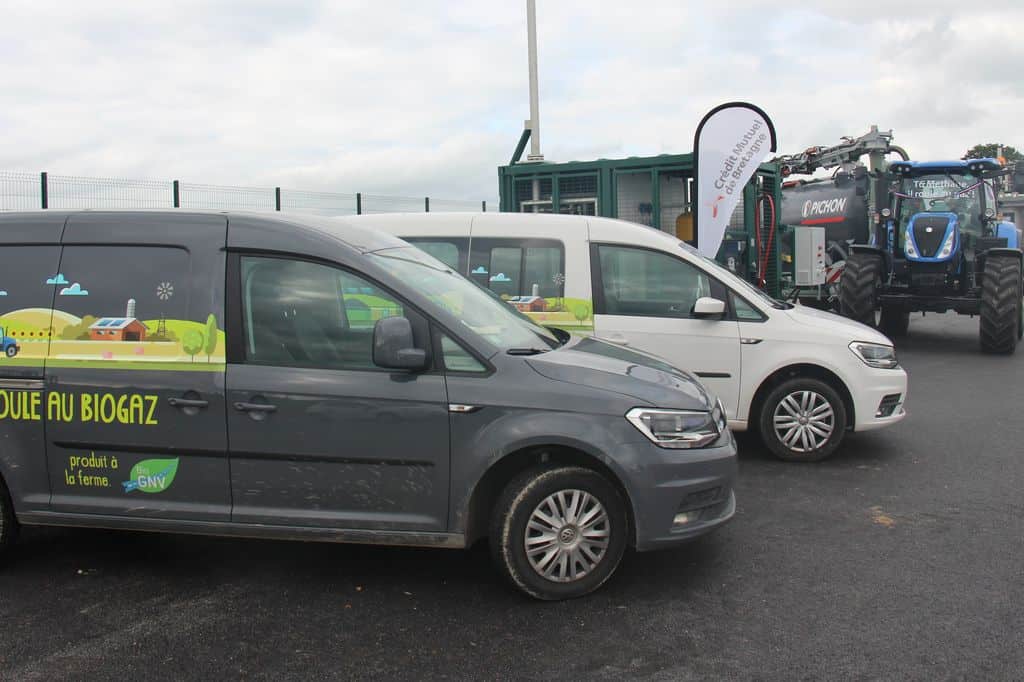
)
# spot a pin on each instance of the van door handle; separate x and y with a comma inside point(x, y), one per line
point(255, 407)
point(188, 402)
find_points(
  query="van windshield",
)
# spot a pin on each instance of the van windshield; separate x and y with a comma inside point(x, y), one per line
point(475, 308)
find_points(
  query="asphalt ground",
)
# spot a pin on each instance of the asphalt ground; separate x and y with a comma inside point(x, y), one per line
point(901, 557)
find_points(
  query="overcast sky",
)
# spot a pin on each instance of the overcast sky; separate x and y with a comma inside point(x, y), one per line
point(429, 96)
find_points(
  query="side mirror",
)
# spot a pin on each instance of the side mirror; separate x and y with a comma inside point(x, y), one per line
point(393, 345)
point(707, 308)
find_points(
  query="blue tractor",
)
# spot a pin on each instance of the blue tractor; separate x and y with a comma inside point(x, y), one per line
point(939, 246)
point(8, 345)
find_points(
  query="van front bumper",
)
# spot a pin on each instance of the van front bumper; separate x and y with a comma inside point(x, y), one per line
point(681, 494)
point(879, 399)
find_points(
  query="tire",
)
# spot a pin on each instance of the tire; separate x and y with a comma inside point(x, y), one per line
point(8, 522)
point(780, 420)
point(11, 351)
point(894, 322)
point(858, 287)
point(532, 492)
point(1000, 304)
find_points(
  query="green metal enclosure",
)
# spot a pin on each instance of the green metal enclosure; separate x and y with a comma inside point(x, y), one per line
point(656, 191)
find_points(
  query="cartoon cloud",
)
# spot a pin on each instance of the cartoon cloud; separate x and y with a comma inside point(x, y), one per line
point(74, 290)
point(57, 279)
point(2, 292)
point(501, 277)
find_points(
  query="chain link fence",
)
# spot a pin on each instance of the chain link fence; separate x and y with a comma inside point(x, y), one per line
point(26, 191)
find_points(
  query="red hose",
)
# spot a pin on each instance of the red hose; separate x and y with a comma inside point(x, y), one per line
point(764, 249)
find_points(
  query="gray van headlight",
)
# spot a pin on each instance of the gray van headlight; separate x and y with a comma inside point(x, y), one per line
point(875, 354)
point(678, 429)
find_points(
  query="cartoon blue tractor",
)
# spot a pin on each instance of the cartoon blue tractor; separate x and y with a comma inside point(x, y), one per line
point(9, 346)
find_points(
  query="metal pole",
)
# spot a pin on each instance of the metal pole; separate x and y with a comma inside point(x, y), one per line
point(426, 204)
point(359, 203)
point(176, 193)
point(531, 33)
point(44, 190)
point(483, 205)
point(277, 198)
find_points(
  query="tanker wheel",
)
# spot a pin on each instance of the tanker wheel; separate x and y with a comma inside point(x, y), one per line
point(1001, 304)
point(858, 287)
point(893, 322)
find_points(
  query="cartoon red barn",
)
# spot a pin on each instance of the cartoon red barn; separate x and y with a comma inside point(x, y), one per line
point(529, 304)
point(117, 329)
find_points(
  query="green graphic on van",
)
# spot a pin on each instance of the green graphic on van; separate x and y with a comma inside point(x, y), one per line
point(576, 314)
point(152, 476)
point(123, 341)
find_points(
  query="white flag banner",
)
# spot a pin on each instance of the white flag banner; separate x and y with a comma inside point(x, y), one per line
point(731, 142)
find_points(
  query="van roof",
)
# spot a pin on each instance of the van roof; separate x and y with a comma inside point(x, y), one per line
point(357, 237)
point(600, 228)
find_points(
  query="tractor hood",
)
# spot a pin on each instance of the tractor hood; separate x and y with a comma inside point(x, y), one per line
point(841, 328)
point(609, 367)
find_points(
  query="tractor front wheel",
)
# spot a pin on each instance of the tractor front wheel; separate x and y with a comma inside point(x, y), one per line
point(1001, 304)
point(858, 288)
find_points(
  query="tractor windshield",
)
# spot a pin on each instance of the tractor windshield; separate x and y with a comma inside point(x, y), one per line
point(959, 193)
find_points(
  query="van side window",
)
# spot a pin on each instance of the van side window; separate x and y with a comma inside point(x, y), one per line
point(452, 251)
point(297, 313)
point(132, 304)
point(648, 283)
point(519, 268)
point(457, 358)
point(446, 252)
point(506, 266)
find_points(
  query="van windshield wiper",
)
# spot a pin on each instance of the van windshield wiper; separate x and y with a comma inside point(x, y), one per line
point(527, 351)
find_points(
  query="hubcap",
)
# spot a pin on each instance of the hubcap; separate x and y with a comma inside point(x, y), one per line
point(567, 535)
point(804, 421)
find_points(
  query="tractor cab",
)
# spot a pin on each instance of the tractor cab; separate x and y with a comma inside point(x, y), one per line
point(943, 215)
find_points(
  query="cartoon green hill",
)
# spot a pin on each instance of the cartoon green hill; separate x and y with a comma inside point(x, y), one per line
point(37, 319)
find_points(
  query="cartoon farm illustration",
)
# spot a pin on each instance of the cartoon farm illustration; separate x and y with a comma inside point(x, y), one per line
point(125, 328)
point(29, 336)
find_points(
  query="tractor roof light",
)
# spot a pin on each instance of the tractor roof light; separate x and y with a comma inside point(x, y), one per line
point(886, 212)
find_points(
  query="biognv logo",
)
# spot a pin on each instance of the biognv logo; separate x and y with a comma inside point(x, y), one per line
point(152, 475)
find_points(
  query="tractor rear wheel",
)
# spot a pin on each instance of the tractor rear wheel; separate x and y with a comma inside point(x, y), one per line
point(893, 322)
point(1001, 304)
point(858, 288)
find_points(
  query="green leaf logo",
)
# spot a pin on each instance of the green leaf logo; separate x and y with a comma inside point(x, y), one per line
point(152, 475)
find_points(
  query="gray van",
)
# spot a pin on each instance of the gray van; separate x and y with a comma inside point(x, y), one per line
point(300, 378)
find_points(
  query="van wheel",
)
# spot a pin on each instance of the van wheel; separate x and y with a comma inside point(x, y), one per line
point(8, 522)
point(559, 532)
point(12, 351)
point(803, 420)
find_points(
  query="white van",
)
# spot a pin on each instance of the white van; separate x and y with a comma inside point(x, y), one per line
point(798, 376)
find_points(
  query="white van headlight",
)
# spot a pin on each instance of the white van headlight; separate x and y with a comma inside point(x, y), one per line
point(875, 354)
point(679, 429)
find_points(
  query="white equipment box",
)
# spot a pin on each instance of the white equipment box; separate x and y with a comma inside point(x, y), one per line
point(809, 256)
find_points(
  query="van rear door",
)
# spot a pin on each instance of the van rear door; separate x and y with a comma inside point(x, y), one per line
point(29, 256)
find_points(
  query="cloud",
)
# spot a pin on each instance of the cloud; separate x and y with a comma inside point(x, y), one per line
point(74, 290)
point(501, 277)
point(2, 292)
point(480, 270)
point(335, 96)
point(57, 279)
